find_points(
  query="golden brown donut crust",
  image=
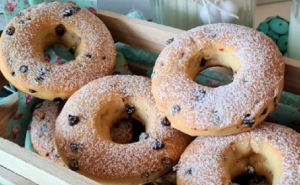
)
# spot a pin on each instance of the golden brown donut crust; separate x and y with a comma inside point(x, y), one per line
point(240, 106)
point(42, 130)
point(94, 109)
point(272, 150)
point(22, 59)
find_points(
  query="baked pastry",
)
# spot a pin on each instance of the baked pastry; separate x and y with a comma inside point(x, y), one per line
point(42, 130)
point(240, 106)
point(83, 138)
point(271, 150)
point(22, 59)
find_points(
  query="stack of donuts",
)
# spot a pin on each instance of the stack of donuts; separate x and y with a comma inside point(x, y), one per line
point(134, 130)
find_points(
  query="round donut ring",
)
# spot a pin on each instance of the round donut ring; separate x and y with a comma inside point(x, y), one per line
point(240, 106)
point(271, 150)
point(23, 62)
point(83, 132)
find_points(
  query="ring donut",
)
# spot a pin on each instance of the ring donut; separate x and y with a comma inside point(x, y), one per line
point(42, 130)
point(240, 106)
point(271, 150)
point(83, 138)
point(22, 45)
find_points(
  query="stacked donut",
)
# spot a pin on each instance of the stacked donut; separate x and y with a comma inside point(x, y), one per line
point(127, 130)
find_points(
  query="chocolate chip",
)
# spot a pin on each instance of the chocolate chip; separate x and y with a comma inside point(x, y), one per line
point(169, 41)
point(58, 101)
point(145, 175)
point(130, 109)
point(75, 148)
point(203, 62)
point(76, 9)
point(200, 94)
point(13, 74)
point(23, 69)
point(143, 136)
point(104, 57)
point(165, 122)
point(157, 144)
point(88, 55)
point(39, 79)
point(60, 30)
point(73, 120)
point(216, 118)
point(22, 22)
point(47, 154)
point(68, 11)
point(10, 31)
point(248, 120)
point(176, 109)
point(44, 128)
point(175, 168)
point(74, 165)
point(167, 162)
point(72, 50)
point(264, 112)
point(188, 172)
point(20, 14)
point(32, 91)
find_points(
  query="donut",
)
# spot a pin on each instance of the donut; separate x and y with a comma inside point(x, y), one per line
point(42, 130)
point(82, 133)
point(23, 62)
point(240, 106)
point(271, 151)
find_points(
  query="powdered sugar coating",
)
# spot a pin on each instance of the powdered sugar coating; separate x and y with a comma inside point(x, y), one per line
point(206, 155)
point(42, 130)
point(105, 99)
point(259, 79)
point(37, 31)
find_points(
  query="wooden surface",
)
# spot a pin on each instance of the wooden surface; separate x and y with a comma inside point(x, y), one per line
point(8, 177)
point(36, 168)
point(134, 32)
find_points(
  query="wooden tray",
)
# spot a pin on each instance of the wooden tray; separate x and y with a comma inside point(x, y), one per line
point(19, 166)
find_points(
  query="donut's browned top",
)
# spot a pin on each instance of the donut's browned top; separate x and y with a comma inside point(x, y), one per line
point(256, 86)
point(204, 156)
point(35, 30)
point(99, 155)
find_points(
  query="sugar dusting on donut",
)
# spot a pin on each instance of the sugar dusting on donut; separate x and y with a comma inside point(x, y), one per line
point(25, 48)
point(258, 83)
point(104, 158)
point(42, 130)
point(203, 156)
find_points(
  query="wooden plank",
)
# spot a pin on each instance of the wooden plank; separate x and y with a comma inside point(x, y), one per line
point(152, 37)
point(8, 177)
point(37, 169)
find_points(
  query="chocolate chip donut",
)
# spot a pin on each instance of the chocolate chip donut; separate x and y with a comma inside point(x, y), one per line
point(22, 59)
point(42, 130)
point(240, 106)
point(86, 121)
point(271, 150)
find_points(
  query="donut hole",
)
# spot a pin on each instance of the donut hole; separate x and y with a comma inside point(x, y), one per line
point(127, 131)
point(217, 58)
point(207, 77)
point(58, 40)
point(125, 118)
point(247, 163)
